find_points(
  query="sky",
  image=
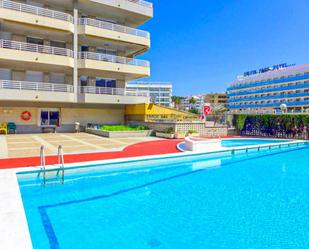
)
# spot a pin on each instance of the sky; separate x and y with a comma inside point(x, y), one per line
point(202, 45)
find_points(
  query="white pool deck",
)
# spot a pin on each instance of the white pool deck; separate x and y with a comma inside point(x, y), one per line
point(14, 232)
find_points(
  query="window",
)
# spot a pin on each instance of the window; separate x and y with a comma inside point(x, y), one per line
point(58, 44)
point(34, 76)
point(50, 117)
point(101, 82)
point(36, 41)
point(57, 78)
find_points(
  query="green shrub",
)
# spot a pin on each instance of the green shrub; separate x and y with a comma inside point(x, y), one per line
point(192, 131)
point(122, 128)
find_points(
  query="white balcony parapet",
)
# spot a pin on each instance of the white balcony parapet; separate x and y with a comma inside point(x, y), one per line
point(35, 86)
point(113, 59)
point(113, 27)
point(142, 2)
point(29, 47)
point(112, 91)
point(6, 4)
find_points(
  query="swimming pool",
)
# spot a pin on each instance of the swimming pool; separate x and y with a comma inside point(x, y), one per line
point(222, 200)
point(235, 142)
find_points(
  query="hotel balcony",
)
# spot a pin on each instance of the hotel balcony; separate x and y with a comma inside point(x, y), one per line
point(107, 95)
point(35, 91)
point(133, 41)
point(110, 66)
point(40, 17)
point(130, 12)
point(19, 54)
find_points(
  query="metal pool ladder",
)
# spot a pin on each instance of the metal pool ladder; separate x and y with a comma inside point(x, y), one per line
point(60, 163)
point(43, 163)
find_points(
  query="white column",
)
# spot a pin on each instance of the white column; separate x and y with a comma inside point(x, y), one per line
point(75, 48)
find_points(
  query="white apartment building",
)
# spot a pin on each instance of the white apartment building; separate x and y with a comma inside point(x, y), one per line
point(69, 61)
point(265, 90)
point(198, 105)
point(159, 93)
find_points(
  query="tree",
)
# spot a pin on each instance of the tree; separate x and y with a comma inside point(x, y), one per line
point(176, 100)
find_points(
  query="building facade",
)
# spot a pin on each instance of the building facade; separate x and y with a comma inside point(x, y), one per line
point(216, 99)
point(264, 91)
point(68, 61)
point(159, 93)
point(186, 103)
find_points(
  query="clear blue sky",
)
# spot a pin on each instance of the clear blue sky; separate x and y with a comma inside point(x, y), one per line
point(202, 45)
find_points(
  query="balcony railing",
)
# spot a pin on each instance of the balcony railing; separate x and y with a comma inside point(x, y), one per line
point(113, 59)
point(273, 89)
point(112, 91)
point(113, 27)
point(29, 47)
point(143, 3)
point(279, 96)
point(273, 104)
point(26, 8)
point(35, 86)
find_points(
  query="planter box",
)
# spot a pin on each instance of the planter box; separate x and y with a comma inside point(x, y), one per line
point(180, 135)
point(165, 135)
point(194, 135)
point(117, 134)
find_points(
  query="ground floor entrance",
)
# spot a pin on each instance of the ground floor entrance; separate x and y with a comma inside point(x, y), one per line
point(56, 118)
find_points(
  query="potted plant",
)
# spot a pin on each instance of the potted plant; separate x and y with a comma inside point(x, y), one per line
point(168, 133)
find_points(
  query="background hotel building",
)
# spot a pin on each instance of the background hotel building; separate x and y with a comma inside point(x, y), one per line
point(199, 101)
point(216, 99)
point(68, 61)
point(264, 92)
point(159, 93)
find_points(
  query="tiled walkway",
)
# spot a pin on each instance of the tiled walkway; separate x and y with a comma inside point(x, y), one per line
point(28, 145)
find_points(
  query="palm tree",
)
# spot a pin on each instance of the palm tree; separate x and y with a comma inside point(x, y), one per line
point(176, 100)
point(192, 101)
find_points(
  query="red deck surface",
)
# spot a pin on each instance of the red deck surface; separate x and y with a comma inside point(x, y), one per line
point(139, 149)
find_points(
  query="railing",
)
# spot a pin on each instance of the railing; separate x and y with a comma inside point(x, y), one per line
point(113, 59)
point(35, 10)
point(274, 104)
point(279, 96)
point(143, 3)
point(112, 91)
point(35, 86)
point(29, 47)
point(113, 27)
point(273, 89)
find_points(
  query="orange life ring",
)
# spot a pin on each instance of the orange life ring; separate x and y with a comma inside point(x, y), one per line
point(26, 115)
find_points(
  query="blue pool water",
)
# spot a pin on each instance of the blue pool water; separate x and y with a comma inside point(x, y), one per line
point(247, 200)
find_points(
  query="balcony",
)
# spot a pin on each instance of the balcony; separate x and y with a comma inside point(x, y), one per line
point(110, 66)
point(15, 54)
point(134, 40)
point(279, 96)
point(108, 95)
point(268, 90)
point(274, 104)
point(35, 91)
point(32, 15)
point(132, 13)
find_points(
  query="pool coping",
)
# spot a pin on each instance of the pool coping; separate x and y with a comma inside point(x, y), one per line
point(14, 222)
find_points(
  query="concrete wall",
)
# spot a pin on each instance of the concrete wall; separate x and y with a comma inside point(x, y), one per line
point(186, 126)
